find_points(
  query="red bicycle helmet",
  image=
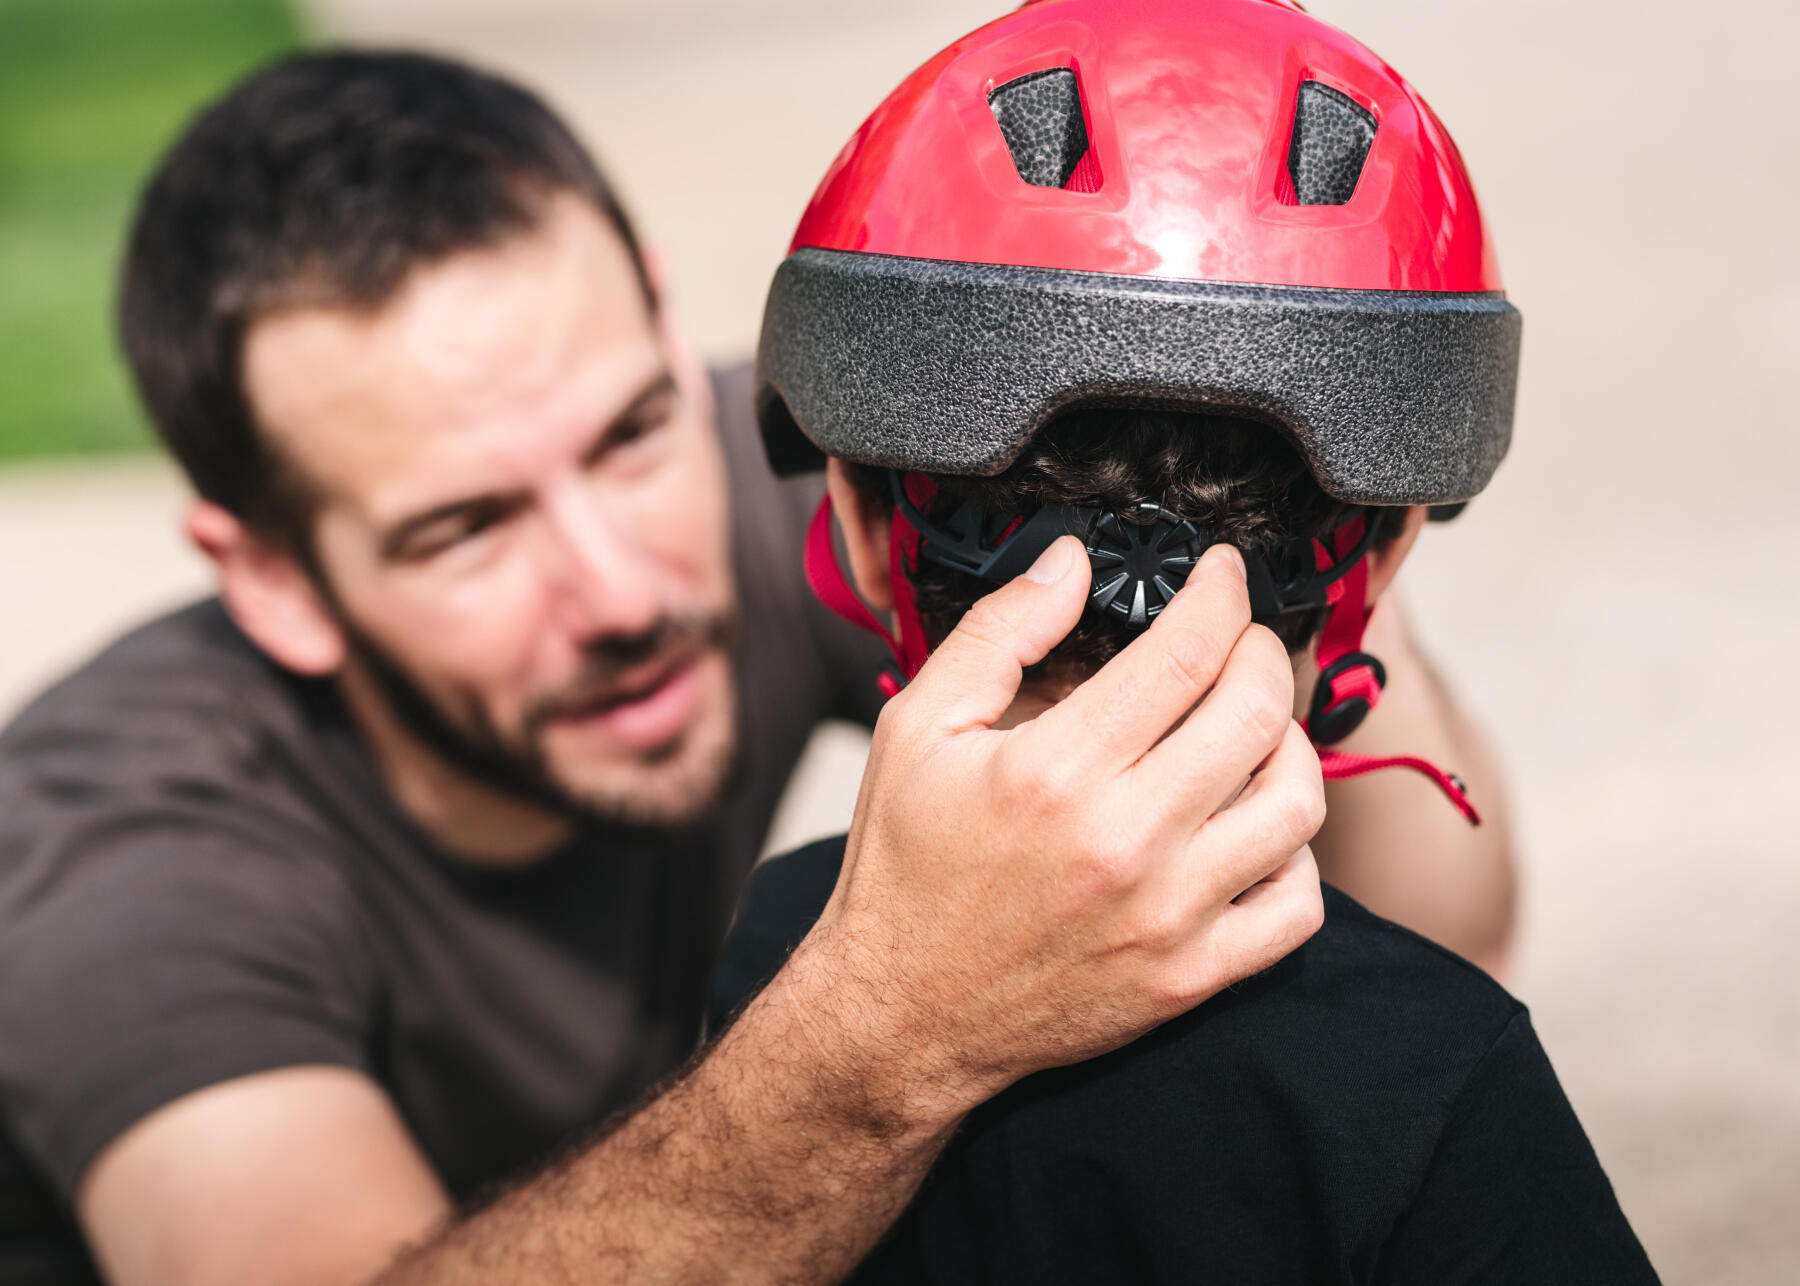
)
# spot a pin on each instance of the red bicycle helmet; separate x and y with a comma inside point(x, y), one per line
point(1204, 204)
point(1211, 203)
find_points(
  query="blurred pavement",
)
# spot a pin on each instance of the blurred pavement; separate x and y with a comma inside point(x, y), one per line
point(1615, 610)
point(87, 548)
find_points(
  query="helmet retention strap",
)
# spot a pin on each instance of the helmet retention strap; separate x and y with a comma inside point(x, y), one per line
point(832, 588)
point(1351, 681)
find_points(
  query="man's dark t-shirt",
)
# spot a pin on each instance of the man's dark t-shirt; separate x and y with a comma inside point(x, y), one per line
point(201, 877)
point(1373, 1109)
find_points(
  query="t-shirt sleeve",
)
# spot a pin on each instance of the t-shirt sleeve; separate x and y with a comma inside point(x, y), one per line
point(157, 955)
point(773, 516)
point(1514, 1192)
point(783, 898)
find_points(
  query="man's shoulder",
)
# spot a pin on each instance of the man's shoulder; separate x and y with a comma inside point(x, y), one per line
point(178, 731)
point(734, 414)
point(769, 514)
point(191, 660)
point(173, 889)
point(795, 655)
point(185, 698)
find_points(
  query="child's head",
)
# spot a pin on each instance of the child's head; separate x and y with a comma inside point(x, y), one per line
point(1191, 205)
point(1239, 480)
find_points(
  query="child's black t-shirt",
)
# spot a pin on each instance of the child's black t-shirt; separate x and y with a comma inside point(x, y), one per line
point(1373, 1109)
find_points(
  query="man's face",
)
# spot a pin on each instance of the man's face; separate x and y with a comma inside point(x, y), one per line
point(522, 516)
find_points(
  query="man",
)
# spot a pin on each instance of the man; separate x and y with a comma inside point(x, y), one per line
point(328, 907)
point(1066, 366)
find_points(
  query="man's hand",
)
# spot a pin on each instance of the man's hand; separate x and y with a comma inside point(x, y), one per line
point(1017, 899)
point(1010, 900)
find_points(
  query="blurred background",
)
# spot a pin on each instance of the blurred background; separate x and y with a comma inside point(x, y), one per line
point(1616, 610)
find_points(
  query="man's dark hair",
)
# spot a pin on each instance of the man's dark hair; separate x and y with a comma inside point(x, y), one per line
point(1241, 479)
point(324, 179)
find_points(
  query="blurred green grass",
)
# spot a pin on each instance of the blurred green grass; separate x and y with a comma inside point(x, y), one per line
point(91, 92)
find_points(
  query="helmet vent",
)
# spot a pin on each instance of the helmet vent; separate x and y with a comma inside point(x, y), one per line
point(1040, 117)
point(1332, 136)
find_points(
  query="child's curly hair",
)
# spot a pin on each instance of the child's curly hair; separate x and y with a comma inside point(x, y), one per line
point(1235, 476)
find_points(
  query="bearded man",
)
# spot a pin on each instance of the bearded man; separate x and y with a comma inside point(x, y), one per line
point(334, 903)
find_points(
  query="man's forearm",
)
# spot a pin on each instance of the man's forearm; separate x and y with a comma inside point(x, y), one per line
point(1391, 841)
point(775, 1158)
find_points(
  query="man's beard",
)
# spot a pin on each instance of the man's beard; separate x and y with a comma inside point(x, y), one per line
point(469, 739)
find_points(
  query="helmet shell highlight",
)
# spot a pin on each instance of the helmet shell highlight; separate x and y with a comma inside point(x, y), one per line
point(1189, 109)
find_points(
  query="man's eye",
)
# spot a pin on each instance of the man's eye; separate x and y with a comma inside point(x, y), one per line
point(645, 423)
point(441, 537)
point(472, 528)
point(640, 426)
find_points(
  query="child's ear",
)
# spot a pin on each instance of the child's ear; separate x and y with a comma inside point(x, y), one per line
point(867, 525)
point(1384, 563)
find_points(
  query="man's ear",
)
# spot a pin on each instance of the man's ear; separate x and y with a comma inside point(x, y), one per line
point(868, 525)
point(268, 593)
point(1384, 563)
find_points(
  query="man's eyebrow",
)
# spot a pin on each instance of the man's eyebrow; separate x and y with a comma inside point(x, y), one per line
point(393, 544)
point(659, 385)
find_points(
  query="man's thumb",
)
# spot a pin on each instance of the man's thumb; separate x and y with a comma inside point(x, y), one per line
point(972, 677)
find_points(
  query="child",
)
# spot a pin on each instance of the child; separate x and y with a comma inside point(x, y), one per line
point(1161, 274)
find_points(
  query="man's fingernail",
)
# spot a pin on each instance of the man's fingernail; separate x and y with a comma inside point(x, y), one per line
point(1227, 556)
point(1051, 565)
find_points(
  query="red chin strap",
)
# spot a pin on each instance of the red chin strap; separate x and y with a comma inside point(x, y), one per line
point(1350, 680)
point(826, 576)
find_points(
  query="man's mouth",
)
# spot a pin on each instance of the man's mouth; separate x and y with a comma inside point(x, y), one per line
point(646, 710)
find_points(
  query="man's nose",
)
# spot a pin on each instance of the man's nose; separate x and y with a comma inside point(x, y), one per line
point(601, 579)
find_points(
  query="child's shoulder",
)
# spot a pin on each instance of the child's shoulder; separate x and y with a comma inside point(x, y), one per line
point(1364, 994)
point(1355, 943)
point(780, 902)
point(1359, 973)
point(1322, 1088)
